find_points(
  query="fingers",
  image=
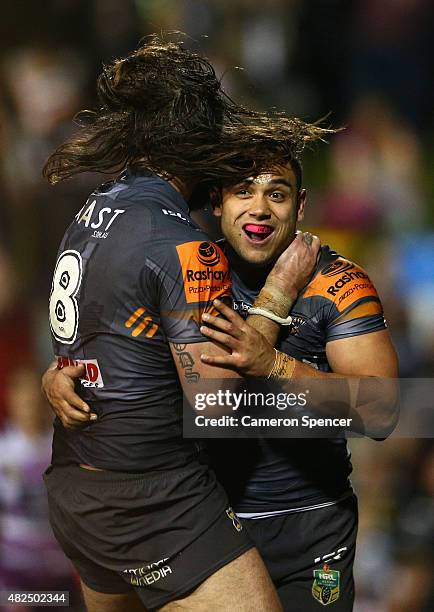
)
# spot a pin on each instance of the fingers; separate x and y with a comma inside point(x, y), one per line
point(316, 246)
point(69, 423)
point(234, 328)
point(218, 336)
point(61, 387)
point(72, 418)
point(311, 241)
point(307, 238)
point(229, 313)
point(67, 394)
point(302, 240)
point(77, 371)
point(72, 415)
point(222, 361)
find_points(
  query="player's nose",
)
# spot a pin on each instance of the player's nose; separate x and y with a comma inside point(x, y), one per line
point(259, 208)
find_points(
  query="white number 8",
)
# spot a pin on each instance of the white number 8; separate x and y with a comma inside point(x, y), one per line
point(63, 304)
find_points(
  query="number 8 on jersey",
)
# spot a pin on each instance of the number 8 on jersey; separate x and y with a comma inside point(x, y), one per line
point(63, 304)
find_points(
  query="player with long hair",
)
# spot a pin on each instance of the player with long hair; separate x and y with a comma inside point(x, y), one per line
point(143, 520)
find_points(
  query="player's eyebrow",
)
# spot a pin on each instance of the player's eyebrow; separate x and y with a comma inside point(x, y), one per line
point(275, 182)
point(272, 183)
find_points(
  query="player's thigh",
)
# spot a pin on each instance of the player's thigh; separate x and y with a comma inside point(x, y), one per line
point(243, 585)
point(110, 602)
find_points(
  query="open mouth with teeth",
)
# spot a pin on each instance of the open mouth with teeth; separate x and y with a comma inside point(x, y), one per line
point(258, 234)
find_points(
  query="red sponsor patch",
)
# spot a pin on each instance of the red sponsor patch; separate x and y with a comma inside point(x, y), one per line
point(92, 376)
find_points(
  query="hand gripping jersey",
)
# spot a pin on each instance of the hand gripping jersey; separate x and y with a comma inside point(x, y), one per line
point(133, 273)
point(340, 301)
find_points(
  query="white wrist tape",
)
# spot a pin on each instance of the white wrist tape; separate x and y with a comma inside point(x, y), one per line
point(270, 315)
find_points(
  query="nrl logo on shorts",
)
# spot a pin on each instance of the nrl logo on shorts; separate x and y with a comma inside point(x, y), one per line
point(235, 520)
point(325, 587)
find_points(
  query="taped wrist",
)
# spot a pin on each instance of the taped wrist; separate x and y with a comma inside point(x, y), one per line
point(274, 300)
point(283, 367)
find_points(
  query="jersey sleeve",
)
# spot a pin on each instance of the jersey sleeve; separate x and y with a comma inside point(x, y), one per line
point(347, 300)
point(187, 278)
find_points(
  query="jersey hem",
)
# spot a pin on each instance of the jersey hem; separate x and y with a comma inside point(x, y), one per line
point(187, 340)
point(332, 337)
point(271, 514)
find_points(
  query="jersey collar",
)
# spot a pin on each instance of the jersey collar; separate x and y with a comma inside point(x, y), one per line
point(152, 181)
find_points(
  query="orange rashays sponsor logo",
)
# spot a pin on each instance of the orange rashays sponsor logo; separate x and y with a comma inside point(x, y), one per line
point(343, 283)
point(205, 271)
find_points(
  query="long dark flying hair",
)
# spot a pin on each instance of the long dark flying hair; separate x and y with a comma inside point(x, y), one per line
point(162, 109)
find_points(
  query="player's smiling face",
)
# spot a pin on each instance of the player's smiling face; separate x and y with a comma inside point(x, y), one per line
point(259, 215)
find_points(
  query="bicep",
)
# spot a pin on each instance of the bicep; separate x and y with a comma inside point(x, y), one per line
point(190, 367)
point(371, 354)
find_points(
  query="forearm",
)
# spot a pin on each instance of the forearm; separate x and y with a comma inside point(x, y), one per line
point(276, 301)
point(370, 402)
point(290, 273)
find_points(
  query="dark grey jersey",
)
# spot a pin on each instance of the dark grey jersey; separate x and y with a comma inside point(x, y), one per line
point(133, 273)
point(339, 301)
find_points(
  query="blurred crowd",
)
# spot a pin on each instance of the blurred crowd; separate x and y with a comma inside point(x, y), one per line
point(365, 65)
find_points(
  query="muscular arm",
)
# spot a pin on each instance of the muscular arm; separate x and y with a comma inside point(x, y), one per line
point(370, 367)
point(365, 364)
point(366, 355)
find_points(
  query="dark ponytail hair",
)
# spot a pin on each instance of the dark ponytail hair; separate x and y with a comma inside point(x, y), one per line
point(162, 109)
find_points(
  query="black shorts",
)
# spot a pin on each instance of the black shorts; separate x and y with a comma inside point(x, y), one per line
point(161, 534)
point(310, 555)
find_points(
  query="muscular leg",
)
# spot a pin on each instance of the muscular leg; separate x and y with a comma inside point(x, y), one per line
point(242, 585)
point(108, 602)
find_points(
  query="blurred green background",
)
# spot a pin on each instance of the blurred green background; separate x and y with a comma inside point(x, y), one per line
point(368, 65)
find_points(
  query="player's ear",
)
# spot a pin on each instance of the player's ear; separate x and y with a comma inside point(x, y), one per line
point(215, 198)
point(301, 202)
point(217, 210)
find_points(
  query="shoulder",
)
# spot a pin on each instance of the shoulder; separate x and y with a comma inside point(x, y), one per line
point(340, 281)
point(200, 261)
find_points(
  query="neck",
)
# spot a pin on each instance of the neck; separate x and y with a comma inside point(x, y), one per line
point(185, 188)
point(253, 276)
